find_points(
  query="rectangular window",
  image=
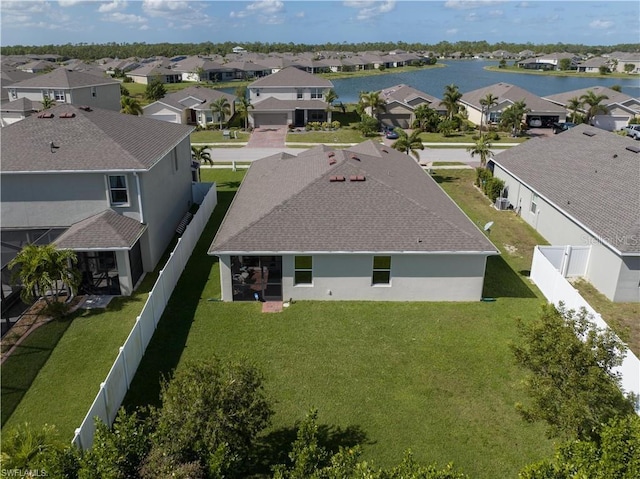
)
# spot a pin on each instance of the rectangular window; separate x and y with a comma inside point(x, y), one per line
point(534, 204)
point(299, 94)
point(118, 192)
point(45, 93)
point(316, 94)
point(58, 95)
point(303, 270)
point(381, 270)
point(94, 92)
point(14, 93)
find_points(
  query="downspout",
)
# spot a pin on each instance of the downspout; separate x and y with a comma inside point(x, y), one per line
point(135, 175)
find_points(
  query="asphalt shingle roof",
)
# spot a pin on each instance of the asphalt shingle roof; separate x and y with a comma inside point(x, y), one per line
point(512, 93)
point(288, 203)
point(95, 140)
point(291, 77)
point(594, 179)
point(64, 78)
point(613, 96)
point(195, 97)
point(106, 230)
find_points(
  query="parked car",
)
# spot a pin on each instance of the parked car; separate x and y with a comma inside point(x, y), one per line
point(560, 127)
point(535, 122)
point(633, 131)
point(392, 135)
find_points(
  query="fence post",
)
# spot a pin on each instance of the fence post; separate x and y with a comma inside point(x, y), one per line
point(77, 438)
point(124, 366)
point(103, 393)
point(140, 337)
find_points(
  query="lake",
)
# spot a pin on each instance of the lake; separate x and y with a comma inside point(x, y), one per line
point(470, 75)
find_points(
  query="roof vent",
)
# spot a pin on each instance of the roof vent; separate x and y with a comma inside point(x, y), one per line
point(336, 178)
point(385, 151)
point(331, 154)
point(68, 115)
point(589, 133)
point(354, 157)
point(45, 115)
point(84, 108)
point(356, 178)
point(633, 148)
point(332, 162)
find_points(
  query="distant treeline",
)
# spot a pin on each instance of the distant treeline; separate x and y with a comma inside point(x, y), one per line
point(91, 51)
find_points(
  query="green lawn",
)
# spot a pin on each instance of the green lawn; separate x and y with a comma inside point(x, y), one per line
point(216, 136)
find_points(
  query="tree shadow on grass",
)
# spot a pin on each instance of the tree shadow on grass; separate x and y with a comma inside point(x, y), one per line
point(274, 448)
point(165, 348)
point(442, 178)
point(21, 368)
point(503, 282)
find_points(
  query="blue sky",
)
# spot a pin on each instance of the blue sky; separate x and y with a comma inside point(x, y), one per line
point(35, 22)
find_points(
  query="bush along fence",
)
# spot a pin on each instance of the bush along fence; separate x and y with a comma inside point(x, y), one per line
point(556, 289)
point(112, 391)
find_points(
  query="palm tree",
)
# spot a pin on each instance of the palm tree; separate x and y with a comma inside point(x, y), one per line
point(42, 269)
point(486, 103)
point(201, 155)
point(408, 143)
point(372, 103)
point(47, 103)
point(130, 106)
point(243, 105)
point(222, 108)
point(593, 101)
point(450, 100)
point(330, 96)
point(512, 117)
point(574, 104)
point(482, 148)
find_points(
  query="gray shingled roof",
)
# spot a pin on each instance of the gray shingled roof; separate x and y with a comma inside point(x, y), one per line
point(63, 78)
point(288, 203)
point(614, 96)
point(104, 231)
point(506, 91)
point(95, 140)
point(291, 77)
point(405, 94)
point(594, 179)
point(200, 99)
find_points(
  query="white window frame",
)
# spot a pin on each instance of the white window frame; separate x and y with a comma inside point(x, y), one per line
point(533, 208)
point(302, 270)
point(13, 93)
point(299, 94)
point(317, 93)
point(59, 95)
point(113, 189)
point(375, 270)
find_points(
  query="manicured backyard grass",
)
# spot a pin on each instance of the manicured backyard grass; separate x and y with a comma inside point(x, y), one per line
point(343, 135)
point(216, 136)
point(438, 378)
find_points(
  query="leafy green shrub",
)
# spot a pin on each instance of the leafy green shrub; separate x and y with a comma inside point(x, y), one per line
point(326, 125)
point(57, 309)
point(493, 187)
point(335, 125)
point(482, 176)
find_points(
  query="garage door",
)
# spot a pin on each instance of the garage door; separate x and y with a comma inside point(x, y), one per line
point(610, 122)
point(396, 120)
point(167, 118)
point(270, 119)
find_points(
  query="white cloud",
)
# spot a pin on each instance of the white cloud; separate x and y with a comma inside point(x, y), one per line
point(452, 31)
point(601, 24)
point(125, 18)
point(161, 8)
point(470, 4)
point(300, 15)
point(270, 12)
point(113, 6)
point(368, 10)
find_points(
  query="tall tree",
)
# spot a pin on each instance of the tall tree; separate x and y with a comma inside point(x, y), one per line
point(222, 108)
point(408, 143)
point(450, 100)
point(574, 105)
point(243, 105)
point(130, 106)
point(201, 155)
point(486, 103)
point(427, 119)
point(513, 116)
point(593, 105)
point(155, 90)
point(330, 96)
point(43, 269)
point(372, 103)
point(482, 148)
point(572, 383)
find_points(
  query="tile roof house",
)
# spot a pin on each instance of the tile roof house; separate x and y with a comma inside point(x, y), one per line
point(151, 71)
point(364, 223)
point(190, 106)
point(68, 86)
point(507, 95)
point(620, 107)
point(581, 188)
point(289, 96)
point(80, 178)
point(401, 101)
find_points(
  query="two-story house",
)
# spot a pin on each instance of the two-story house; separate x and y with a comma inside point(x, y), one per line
point(401, 102)
point(288, 97)
point(69, 86)
point(109, 186)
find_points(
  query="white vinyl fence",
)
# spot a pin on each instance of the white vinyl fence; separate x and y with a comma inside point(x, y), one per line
point(557, 289)
point(112, 391)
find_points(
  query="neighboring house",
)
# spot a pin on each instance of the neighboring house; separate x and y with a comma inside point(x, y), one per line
point(401, 101)
point(68, 86)
point(111, 187)
point(548, 62)
point(593, 65)
point(621, 60)
point(16, 110)
point(507, 95)
point(190, 106)
point(363, 223)
point(289, 96)
point(37, 66)
point(581, 188)
point(146, 74)
point(620, 107)
point(197, 69)
point(242, 70)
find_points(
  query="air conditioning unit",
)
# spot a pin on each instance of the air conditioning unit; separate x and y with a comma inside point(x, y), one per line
point(502, 204)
